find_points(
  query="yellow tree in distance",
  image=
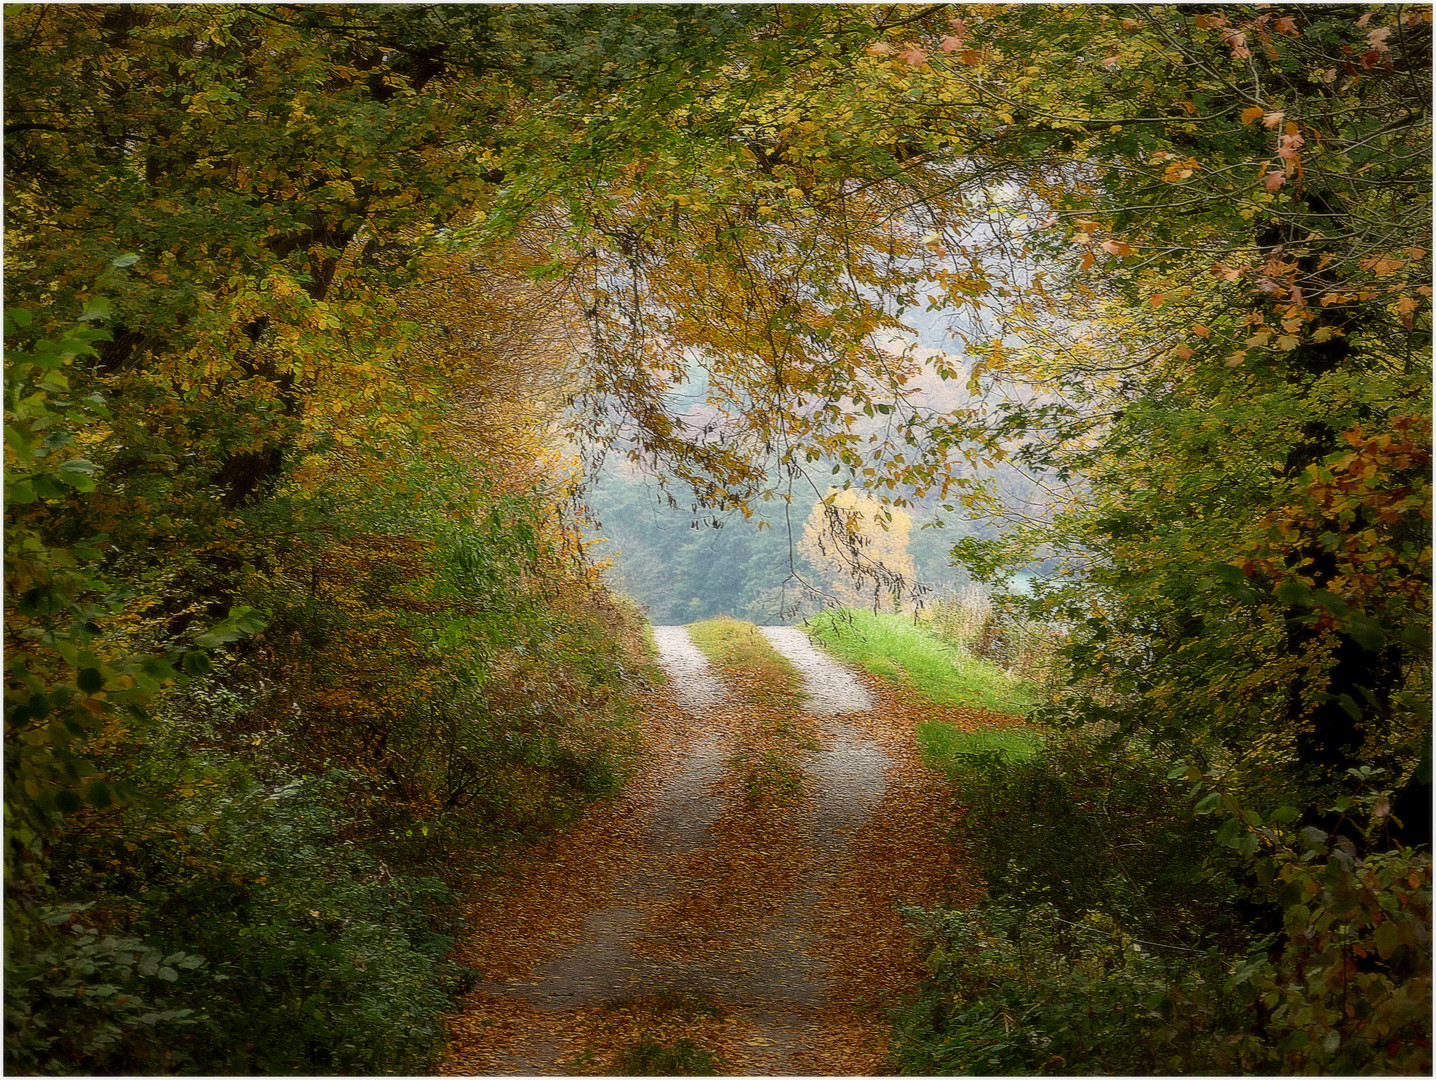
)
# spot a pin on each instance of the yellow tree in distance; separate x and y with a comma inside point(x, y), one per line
point(860, 550)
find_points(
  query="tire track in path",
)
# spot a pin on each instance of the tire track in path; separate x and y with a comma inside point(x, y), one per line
point(682, 891)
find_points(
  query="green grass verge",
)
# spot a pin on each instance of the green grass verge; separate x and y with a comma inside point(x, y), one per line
point(891, 647)
point(947, 747)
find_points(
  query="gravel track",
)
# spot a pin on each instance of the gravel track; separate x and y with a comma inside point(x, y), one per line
point(831, 688)
point(771, 965)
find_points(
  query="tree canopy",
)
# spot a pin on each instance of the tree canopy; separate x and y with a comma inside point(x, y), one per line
point(316, 314)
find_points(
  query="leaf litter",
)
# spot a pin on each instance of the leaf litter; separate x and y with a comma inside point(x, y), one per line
point(733, 911)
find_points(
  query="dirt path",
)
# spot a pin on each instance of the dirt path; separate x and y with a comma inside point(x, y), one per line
point(683, 920)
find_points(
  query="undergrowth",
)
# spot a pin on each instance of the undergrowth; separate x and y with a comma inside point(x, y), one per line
point(1120, 935)
point(274, 895)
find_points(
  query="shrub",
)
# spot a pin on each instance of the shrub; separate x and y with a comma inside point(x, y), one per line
point(279, 944)
point(77, 1001)
point(1112, 938)
point(1024, 991)
point(1091, 826)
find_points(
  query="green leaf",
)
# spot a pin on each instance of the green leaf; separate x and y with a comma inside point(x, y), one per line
point(90, 680)
point(1366, 633)
point(195, 662)
point(78, 473)
point(1387, 938)
point(158, 668)
point(124, 262)
point(1226, 573)
point(1416, 634)
point(1227, 834)
point(1292, 591)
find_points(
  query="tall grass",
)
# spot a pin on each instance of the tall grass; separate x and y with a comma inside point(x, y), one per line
point(943, 671)
point(1024, 648)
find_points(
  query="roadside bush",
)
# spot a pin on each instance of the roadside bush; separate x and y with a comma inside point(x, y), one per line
point(1118, 934)
point(1090, 825)
point(241, 933)
point(77, 1001)
point(1022, 991)
point(1094, 913)
point(946, 746)
point(1344, 987)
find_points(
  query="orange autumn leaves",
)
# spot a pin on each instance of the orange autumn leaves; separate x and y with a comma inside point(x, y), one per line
point(749, 871)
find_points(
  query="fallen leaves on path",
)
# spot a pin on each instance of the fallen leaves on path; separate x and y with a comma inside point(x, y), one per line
point(803, 924)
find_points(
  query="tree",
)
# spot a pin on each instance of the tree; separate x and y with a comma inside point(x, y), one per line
point(341, 244)
point(873, 559)
point(1216, 226)
point(1226, 299)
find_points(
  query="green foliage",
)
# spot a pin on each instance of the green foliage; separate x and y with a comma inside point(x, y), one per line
point(1349, 993)
point(901, 650)
point(1024, 992)
point(73, 997)
point(1116, 935)
point(1088, 825)
point(1233, 414)
point(1346, 986)
point(60, 687)
point(277, 943)
point(945, 746)
point(1092, 912)
point(993, 629)
point(440, 658)
point(198, 835)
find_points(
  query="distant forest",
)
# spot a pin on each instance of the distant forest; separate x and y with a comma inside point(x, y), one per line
point(684, 564)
